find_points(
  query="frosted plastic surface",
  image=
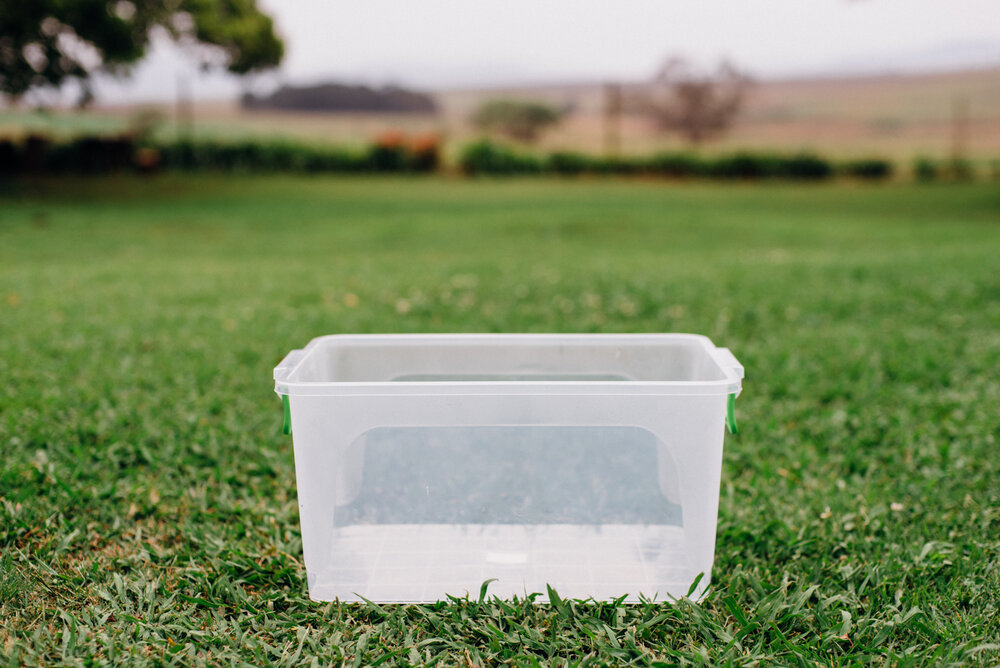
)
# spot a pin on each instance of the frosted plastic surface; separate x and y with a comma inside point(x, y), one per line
point(440, 510)
point(428, 464)
point(492, 358)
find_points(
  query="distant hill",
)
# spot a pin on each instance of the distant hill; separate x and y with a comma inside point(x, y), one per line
point(344, 98)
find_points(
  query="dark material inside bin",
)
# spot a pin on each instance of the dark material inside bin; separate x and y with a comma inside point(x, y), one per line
point(510, 475)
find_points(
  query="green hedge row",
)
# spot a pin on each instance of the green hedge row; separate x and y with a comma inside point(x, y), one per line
point(86, 154)
point(100, 155)
point(954, 169)
point(258, 157)
point(490, 158)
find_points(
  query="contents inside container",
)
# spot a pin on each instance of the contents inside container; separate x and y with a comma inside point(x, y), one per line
point(444, 508)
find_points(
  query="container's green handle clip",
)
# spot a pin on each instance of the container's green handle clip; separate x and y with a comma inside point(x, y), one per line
point(730, 414)
point(286, 425)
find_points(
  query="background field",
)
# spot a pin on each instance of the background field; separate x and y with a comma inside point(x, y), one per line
point(893, 116)
point(148, 505)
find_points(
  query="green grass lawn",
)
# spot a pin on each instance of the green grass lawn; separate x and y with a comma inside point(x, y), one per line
point(147, 499)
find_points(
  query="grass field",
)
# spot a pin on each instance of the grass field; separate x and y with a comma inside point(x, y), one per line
point(147, 498)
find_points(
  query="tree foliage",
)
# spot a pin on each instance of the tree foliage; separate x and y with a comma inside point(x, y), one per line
point(343, 97)
point(522, 121)
point(696, 105)
point(48, 42)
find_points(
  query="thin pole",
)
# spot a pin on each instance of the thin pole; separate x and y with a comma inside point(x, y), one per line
point(959, 127)
point(185, 109)
point(612, 119)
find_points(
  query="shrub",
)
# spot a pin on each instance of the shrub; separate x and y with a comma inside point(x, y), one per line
point(251, 156)
point(336, 160)
point(675, 165)
point(388, 153)
point(425, 153)
point(88, 155)
point(744, 166)
point(148, 160)
point(387, 158)
point(960, 169)
point(871, 169)
point(806, 166)
point(485, 157)
point(8, 157)
point(569, 164)
point(624, 166)
point(925, 170)
point(34, 152)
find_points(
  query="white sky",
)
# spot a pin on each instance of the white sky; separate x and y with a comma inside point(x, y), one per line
point(463, 43)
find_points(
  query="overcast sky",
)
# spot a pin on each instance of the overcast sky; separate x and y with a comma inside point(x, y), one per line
point(463, 43)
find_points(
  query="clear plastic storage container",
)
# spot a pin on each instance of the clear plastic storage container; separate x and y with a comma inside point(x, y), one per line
point(428, 464)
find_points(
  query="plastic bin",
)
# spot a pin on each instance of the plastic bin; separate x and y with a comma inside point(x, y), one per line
point(428, 464)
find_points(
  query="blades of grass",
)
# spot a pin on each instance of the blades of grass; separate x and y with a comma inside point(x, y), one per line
point(694, 585)
point(483, 587)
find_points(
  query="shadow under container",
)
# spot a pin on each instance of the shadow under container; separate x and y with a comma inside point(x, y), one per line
point(427, 464)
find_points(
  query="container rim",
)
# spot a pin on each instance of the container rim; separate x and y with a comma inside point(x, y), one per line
point(723, 357)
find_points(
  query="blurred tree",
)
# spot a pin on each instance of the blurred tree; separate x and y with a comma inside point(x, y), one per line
point(523, 121)
point(698, 106)
point(47, 42)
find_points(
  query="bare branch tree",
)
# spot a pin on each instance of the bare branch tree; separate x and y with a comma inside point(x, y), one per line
point(698, 106)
